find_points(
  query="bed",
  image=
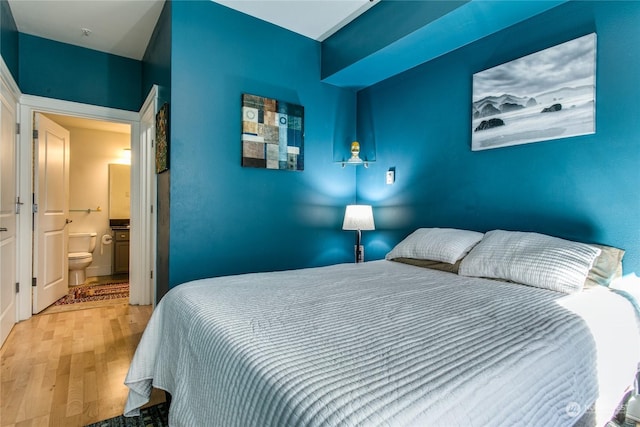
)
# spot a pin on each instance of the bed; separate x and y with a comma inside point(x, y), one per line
point(388, 343)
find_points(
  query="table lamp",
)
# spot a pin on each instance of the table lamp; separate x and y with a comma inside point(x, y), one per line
point(358, 218)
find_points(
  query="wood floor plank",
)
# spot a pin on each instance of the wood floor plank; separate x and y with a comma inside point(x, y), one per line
point(90, 413)
point(35, 408)
point(68, 368)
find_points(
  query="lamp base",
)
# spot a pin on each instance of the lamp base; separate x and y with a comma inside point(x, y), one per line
point(359, 254)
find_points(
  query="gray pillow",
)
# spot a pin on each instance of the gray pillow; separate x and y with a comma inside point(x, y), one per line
point(436, 244)
point(532, 259)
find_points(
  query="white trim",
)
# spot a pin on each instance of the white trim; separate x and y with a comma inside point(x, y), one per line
point(25, 180)
point(146, 179)
point(10, 92)
point(8, 81)
point(30, 104)
point(77, 109)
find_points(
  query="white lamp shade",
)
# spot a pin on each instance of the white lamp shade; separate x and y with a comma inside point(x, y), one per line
point(358, 217)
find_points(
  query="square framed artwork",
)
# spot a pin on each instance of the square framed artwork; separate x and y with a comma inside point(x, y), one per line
point(547, 95)
point(162, 139)
point(272, 134)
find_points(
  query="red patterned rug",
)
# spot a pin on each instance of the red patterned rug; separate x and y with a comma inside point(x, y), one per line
point(95, 292)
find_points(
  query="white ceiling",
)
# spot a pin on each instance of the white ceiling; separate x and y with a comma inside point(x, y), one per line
point(316, 19)
point(124, 27)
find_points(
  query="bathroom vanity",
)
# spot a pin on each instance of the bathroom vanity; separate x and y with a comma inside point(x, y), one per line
point(119, 213)
point(120, 250)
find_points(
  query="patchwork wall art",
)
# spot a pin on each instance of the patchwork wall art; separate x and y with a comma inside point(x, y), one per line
point(162, 139)
point(272, 134)
point(546, 95)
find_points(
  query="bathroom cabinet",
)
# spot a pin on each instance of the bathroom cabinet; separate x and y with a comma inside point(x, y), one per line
point(120, 251)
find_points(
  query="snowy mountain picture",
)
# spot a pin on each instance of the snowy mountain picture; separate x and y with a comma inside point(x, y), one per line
point(546, 95)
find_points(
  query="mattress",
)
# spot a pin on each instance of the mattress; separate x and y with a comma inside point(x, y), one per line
point(383, 344)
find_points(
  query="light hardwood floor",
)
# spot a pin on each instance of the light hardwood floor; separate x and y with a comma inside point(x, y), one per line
point(67, 369)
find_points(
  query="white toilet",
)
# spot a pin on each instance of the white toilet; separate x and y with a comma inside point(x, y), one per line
point(81, 246)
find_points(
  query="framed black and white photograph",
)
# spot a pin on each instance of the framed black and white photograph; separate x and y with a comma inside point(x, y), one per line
point(543, 96)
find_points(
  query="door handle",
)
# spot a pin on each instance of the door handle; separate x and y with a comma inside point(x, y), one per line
point(3, 229)
point(68, 221)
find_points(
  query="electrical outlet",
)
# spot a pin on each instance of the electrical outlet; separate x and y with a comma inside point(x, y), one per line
point(391, 177)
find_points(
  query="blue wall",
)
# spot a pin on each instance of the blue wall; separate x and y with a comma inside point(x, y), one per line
point(156, 63)
point(62, 71)
point(363, 36)
point(156, 69)
point(228, 219)
point(583, 188)
point(8, 39)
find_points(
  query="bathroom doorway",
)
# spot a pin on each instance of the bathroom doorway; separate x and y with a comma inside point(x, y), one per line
point(143, 190)
point(99, 198)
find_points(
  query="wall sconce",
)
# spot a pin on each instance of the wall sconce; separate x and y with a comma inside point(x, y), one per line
point(358, 217)
point(355, 156)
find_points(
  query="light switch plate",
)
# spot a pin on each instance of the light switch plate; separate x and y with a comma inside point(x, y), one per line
point(391, 177)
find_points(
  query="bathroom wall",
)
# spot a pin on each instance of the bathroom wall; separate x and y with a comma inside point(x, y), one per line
point(90, 155)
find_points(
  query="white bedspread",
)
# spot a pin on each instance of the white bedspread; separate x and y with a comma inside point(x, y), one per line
point(382, 343)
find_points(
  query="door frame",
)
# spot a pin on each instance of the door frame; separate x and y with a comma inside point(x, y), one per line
point(145, 295)
point(139, 270)
point(11, 93)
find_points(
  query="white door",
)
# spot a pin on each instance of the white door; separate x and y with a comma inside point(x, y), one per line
point(51, 182)
point(8, 222)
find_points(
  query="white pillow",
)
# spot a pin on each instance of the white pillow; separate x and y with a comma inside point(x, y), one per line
point(532, 259)
point(437, 244)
